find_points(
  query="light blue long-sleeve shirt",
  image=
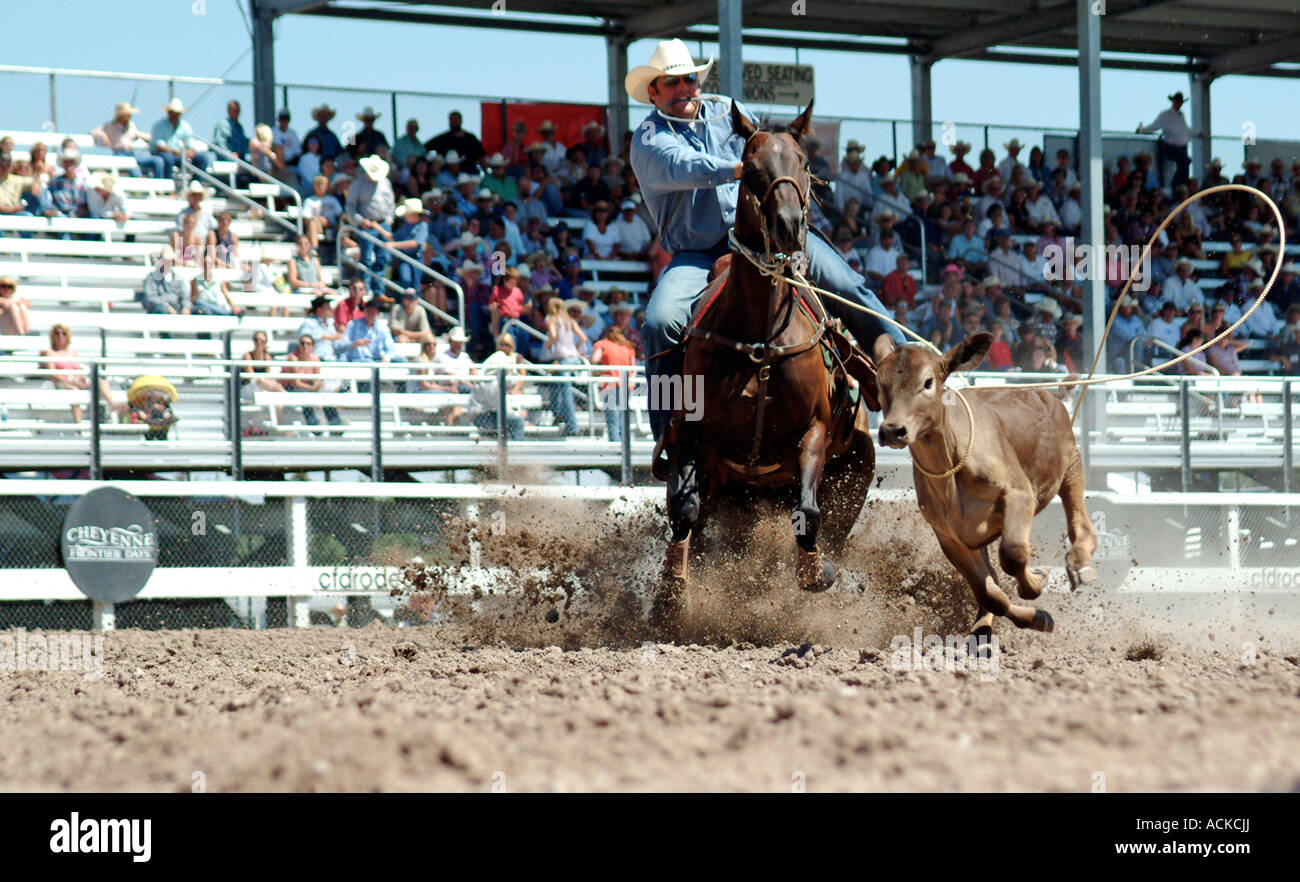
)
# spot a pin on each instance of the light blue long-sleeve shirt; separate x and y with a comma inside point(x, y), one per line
point(687, 173)
point(381, 340)
point(179, 138)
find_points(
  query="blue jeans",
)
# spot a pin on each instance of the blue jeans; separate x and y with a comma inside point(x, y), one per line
point(375, 259)
point(681, 283)
point(23, 213)
point(202, 160)
point(487, 422)
point(613, 413)
point(147, 161)
point(406, 275)
point(561, 399)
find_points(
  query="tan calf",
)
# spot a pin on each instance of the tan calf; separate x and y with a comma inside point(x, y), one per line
point(1023, 455)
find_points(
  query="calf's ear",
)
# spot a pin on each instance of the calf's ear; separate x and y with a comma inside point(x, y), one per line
point(967, 354)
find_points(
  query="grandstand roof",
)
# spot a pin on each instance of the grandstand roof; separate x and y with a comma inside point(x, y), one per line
point(1247, 36)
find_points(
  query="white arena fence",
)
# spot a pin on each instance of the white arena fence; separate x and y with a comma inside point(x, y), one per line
point(261, 554)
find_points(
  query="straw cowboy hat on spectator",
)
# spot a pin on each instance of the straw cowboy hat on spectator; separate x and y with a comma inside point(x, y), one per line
point(671, 58)
point(1013, 144)
point(175, 106)
point(124, 107)
point(197, 187)
point(410, 206)
point(106, 182)
point(452, 158)
point(375, 168)
point(324, 110)
point(536, 147)
point(496, 160)
point(457, 335)
point(1049, 306)
point(853, 147)
point(368, 113)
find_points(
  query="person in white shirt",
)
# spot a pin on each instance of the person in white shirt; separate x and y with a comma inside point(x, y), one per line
point(555, 155)
point(936, 168)
point(854, 179)
point(1063, 162)
point(1041, 209)
point(1175, 135)
point(104, 201)
point(1033, 268)
point(1071, 211)
point(285, 137)
point(634, 236)
point(1179, 288)
point(1004, 259)
point(882, 259)
point(1167, 326)
point(1263, 323)
point(889, 199)
point(1011, 163)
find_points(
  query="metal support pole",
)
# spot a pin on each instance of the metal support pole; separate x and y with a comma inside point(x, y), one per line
point(376, 445)
point(397, 131)
point(616, 71)
point(236, 425)
point(263, 61)
point(1202, 146)
point(54, 107)
point(102, 616)
point(625, 402)
point(296, 612)
point(922, 124)
point(96, 464)
point(103, 342)
point(501, 417)
point(1234, 536)
point(1184, 406)
point(1288, 439)
point(893, 138)
point(1092, 180)
point(731, 65)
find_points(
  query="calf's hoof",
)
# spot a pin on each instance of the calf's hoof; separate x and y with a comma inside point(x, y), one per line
point(980, 644)
point(1042, 622)
point(1080, 576)
point(816, 574)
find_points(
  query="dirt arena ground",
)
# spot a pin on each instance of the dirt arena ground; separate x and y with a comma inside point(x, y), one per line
point(767, 691)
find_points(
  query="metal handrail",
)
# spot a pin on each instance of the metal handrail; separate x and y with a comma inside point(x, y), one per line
point(258, 173)
point(1161, 344)
point(428, 271)
point(513, 323)
point(190, 169)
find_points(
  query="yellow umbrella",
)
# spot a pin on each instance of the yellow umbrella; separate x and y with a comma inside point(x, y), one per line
point(144, 384)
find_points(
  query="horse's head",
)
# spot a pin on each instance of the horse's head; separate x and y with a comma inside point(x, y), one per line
point(773, 199)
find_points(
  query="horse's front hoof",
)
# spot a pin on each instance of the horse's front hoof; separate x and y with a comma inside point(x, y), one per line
point(1080, 576)
point(1042, 622)
point(980, 643)
point(816, 574)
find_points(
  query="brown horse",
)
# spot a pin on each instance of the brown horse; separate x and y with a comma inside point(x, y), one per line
point(782, 416)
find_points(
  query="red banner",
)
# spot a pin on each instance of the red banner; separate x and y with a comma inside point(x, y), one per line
point(499, 116)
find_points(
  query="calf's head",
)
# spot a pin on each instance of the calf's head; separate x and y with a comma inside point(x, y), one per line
point(911, 379)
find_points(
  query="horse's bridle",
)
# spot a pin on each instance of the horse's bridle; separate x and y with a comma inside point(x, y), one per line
point(776, 263)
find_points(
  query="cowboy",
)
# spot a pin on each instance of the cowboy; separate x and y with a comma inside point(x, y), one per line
point(1173, 140)
point(370, 206)
point(408, 146)
point(120, 134)
point(329, 142)
point(368, 141)
point(467, 147)
point(687, 158)
point(554, 155)
point(854, 179)
point(173, 139)
point(1011, 163)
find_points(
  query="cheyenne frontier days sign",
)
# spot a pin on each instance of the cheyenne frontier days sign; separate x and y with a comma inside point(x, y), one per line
point(110, 545)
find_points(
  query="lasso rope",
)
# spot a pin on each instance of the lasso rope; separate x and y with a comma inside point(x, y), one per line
point(970, 445)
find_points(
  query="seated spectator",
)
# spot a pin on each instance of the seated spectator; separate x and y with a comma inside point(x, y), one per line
point(1040, 209)
point(942, 322)
point(634, 237)
point(304, 376)
point(189, 245)
point(1236, 258)
point(228, 133)
point(225, 242)
point(456, 139)
point(268, 156)
point(320, 211)
point(209, 296)
point(15, 318)
point(164, 292)
point(369, 141)
point(507, 301)
point(899, 284)
point(1166, 326)
point(1180, 288)
point(204, 221)
point(882, 259)
point(61, 357)
point(367, 339)
point(329, 142)
point(104, 200)
point(890, 199)
point(999, 356)
point(173, 140)
point(1288, 356)
point(409, 323)
point(67, 191)
point(967, 247)
point(351, 307)
point(120, 135)
point(319, 325)
point(311, 164)
point(1192, 339)
point(303, 272)
point(259, 376)
point(430, 380)
point(485, 396)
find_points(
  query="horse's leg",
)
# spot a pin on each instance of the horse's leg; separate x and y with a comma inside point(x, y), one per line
point(844, 488)
point(683, 513)
point(814, 572)
point(1083, 538)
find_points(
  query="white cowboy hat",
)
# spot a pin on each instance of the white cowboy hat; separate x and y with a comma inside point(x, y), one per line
point(375, 168)
point(434, 194)
point(546, 126)
point(197, 187)
point(468, 239)
point(368, 113)
point(1049, 306)
point(124, 107)
point(496, 160)
point(410, 206)
point(670, 58)
point(465, 178)
point(175, 106)
point(457, 335)
point(452, 157)
point(106, 181)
